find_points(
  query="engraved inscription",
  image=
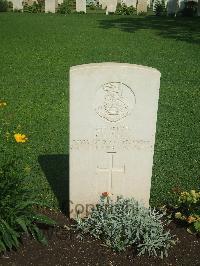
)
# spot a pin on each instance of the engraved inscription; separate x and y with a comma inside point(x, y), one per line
point(111, 169)
point(112, 139)
point(114, 101)
point(110, 145)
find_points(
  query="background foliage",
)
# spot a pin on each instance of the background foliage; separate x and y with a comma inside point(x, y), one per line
point(3, 5)
point(18, 212)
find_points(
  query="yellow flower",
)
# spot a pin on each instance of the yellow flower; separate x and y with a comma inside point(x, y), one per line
point(2, 103)
point(20, 137)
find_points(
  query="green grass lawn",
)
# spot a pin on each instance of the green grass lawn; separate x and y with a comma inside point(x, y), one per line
point(36, 53)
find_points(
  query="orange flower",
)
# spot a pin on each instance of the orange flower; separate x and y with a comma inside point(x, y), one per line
point(105, 194)
point(191, 219)
point(20, 137)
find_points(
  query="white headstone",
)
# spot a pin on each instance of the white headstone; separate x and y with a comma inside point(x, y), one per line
point(113, 110)
point(103, 3)
point(29, 2)
point(129, 3)
point(149, 2)
point(50, 6)
point(141, 6)
point(81, 6)
point(111, 6)
point(181, 4)
point(17, 4)
point(60, 2)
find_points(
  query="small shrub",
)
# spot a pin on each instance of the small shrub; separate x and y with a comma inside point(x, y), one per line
point(122, 9)
point(80, 13)
point(90, 2)
point(18, 213)
point(26, 8)
point(190, 9)
point(92, 6)
point(65, 7)
point(159, 8)
point(41, 5)
point(10, 5)
point(125, 223)
point(142, 13)
point(34, 8)
point(3, 6)
point(189, 210)
point(17, 10)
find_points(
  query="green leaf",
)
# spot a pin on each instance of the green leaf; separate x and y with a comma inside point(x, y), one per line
point(9, 236)
point(43, 219)
point(31, 203)
point(37, 234)
point(22, 223)
point(197, 226)
point(2, 246)
point(190, 230)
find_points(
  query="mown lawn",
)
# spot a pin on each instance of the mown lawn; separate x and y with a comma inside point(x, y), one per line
point(36, 52)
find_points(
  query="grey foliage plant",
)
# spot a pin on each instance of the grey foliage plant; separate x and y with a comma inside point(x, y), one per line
point(124, 222)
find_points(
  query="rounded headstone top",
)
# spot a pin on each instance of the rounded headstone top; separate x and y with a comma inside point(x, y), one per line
point(114, 64)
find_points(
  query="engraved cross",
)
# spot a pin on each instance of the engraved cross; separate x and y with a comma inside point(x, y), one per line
point(111, 169)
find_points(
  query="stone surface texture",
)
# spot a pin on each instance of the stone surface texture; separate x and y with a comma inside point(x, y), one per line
point(142, 6)
point(102, 3)
point(50, 6)
point(17, 4)
point(149, 2)
point(129, 3)
point(81, 6)
point(113, 112)
point(111, 6)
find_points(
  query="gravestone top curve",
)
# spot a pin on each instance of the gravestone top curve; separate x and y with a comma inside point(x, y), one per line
point(113, 64)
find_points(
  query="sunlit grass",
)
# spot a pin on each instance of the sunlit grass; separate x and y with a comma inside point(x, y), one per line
point(36, 54)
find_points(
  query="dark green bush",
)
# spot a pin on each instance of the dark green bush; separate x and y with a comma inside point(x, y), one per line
point(80, 13)
point(122, 9)
point(17, 10)
point(18, 209)
point(10, 6)
point(34, 8)
point(159, 8)
point(190, 9)
point(65, 7)
point(142, 13)
point(3, 6)
point(41, 5)
point(92, 6)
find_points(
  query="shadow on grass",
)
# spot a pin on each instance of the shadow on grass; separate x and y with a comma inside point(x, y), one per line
point(56, 170)
point(182, 29)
